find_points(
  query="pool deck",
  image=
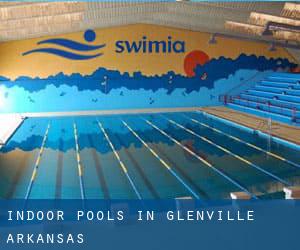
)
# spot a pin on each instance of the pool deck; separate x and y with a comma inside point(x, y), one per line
point(280, 130)
point(9, 123)
point(110, 112)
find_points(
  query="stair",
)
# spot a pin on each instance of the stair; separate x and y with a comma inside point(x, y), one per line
point(277, 96)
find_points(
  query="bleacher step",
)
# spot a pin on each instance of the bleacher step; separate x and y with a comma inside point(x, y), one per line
point(282, 118)
point(279, 103)
point(277, 96)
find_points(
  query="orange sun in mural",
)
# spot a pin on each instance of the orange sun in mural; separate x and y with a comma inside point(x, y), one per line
point(192, 59)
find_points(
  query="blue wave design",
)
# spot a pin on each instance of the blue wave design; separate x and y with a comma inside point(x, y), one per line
point(62, 53)
point(216, 69)
point(72, 44)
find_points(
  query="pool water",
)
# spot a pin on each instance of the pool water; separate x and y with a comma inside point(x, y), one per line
point(147, 156)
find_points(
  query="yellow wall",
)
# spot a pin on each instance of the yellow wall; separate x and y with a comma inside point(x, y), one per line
point(13, 64)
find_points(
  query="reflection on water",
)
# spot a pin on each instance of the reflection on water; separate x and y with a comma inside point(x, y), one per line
point(172, 159)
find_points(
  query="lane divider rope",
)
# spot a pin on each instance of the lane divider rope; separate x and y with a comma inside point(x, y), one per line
point(246, 143)
point(163, 162)
point(273, 154)
point(79, 165)
point(230, 153)
point(205, 162)
point(122, 165)
point(37, 164)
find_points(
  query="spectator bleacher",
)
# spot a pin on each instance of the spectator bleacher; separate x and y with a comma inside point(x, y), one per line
point(277, 96)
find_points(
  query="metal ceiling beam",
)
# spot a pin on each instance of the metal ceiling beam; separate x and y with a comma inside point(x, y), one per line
point(275, 43)
point(40, 9)
point(15, 24)
point(206, 17)
point(291, 10)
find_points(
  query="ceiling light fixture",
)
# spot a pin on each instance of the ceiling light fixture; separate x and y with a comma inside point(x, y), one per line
point(212, 39)
point(272, 47)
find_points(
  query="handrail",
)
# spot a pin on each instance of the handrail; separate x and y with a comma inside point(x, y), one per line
point(230, 99)
point(242, 84)
point(265, 103)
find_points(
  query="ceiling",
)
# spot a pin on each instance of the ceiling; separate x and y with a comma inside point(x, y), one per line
point(21, 20)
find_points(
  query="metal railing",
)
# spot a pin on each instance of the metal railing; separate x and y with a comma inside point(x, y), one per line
point(255, 103)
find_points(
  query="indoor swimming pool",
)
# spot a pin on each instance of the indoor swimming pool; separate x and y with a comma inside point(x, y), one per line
point(143, 156)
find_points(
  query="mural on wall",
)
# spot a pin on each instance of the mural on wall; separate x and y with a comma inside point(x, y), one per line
point(89, 36)
point(135, 66)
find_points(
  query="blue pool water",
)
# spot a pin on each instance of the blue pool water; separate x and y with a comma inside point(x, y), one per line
point(142, 156)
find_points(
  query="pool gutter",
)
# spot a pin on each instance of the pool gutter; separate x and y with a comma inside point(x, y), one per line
point(251, 130)
point(109, 112)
